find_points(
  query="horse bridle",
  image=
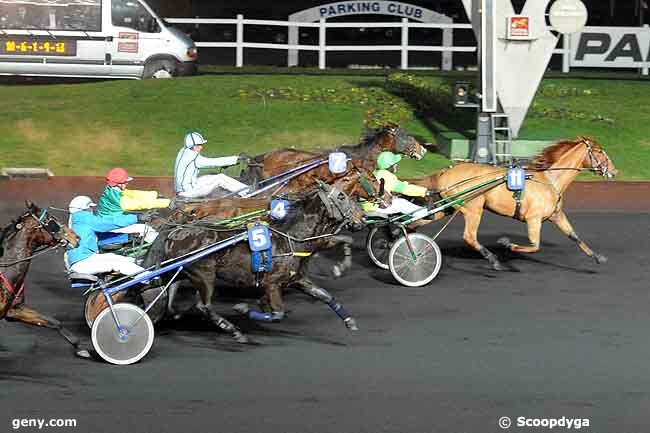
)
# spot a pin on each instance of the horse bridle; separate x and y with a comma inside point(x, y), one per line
point(596, 164)
point(329, 195)
point(51, 226)
point(403, 141)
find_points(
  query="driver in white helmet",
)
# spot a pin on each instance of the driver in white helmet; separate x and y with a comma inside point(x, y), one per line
point(85, 258)
point(189, 161)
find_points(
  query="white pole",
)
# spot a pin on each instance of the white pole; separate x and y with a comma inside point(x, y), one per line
point(566, 55)
point(321, 43)
point(240, 41)
point(405, 43)
point(644, 71)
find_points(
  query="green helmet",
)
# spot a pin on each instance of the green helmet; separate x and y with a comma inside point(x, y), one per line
point(387, 160)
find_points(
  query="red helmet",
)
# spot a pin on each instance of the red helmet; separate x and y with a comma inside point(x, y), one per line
point(117, 176)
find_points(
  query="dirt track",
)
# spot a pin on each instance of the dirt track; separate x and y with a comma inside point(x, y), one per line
point(557, 336)
point(632, 197)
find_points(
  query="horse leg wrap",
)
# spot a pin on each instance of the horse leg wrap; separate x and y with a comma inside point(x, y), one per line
point(340, 311)
point(222, 323)
point(319, 293)
point(259, 316)
point(574, 237)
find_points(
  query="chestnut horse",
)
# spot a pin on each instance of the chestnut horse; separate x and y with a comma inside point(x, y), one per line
point(18, 243)
point(550, 173)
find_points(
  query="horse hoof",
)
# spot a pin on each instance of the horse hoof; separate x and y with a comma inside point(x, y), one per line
point(600, 259)
point(83, 353)
point(241, 308)
point(336, 271)
point(497, 266)
point(240, 338)
point(504, 241)
point(351, 324)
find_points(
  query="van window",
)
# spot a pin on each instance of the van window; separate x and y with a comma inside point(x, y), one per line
point(131, 14)
point(15, 14)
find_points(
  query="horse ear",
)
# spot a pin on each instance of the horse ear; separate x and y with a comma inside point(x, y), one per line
point(29, 205)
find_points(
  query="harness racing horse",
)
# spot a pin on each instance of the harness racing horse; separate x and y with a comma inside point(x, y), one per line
point(550, 173)
point(311, 219)
point(363, 155)
point(19, 242)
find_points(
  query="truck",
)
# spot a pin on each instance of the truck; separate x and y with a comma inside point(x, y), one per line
point(91, 39)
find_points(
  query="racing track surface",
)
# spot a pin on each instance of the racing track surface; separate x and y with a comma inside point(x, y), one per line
point(558, 336)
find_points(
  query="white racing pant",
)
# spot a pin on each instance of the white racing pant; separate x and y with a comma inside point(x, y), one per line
point(143, 230)
point(106, 262)
point(206, 184)
point(400, 205)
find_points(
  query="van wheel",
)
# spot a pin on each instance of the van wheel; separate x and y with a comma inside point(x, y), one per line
point(160, 69)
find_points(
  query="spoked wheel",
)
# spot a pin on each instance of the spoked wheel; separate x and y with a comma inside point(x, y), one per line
point(378, 243)
point(419, 270)
point(126, 345)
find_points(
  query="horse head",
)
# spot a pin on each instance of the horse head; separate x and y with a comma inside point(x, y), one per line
point(597, 159)
point(45, 228)
point(391, 137)
point(340, 207)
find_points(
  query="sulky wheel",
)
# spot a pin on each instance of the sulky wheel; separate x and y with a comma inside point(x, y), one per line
point(126, 345)
point(419, 270)
point(378, 244)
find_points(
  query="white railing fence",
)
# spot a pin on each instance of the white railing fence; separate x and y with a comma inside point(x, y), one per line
point(322, 48)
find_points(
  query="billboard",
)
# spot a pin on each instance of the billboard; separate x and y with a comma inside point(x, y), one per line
point(611, 47)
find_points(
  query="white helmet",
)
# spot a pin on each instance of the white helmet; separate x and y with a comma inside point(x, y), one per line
point(79, 203)
point(194, 138)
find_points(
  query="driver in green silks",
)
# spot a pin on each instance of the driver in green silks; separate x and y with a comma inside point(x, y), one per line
point(386, 168)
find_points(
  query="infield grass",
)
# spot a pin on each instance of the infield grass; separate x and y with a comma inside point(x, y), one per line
point(87, 128)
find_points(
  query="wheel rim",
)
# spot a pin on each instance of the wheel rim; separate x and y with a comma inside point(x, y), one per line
point(418, 272)
point(378, 244)
point(128, 346)
point(162, 74)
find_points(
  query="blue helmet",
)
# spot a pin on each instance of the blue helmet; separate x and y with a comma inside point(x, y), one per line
point(194, 138)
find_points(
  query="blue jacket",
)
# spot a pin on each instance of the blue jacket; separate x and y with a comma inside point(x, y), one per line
point(89, 227)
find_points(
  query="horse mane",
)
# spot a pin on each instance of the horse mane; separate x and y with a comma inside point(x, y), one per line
point(552, 153)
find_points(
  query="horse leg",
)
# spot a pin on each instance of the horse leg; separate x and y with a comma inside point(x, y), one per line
point(534, 230)
point(271, 304)
point(562, 222)
point(203, 276)
point(472, 222)
point(208, 311)
point(307, 286)
point(339, 268)
point(25, 314)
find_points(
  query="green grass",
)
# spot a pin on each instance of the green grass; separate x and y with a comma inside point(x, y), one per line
point(86, 128)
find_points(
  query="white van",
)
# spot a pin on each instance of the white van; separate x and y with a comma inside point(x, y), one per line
point(91, 38)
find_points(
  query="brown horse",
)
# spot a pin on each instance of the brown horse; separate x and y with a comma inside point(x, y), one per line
point(364, 159)
point(18, 243)
point(551, 173)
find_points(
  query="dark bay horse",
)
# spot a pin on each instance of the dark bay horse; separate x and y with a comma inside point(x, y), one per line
point(318, 213)
point(19, 242)
point(551, 173)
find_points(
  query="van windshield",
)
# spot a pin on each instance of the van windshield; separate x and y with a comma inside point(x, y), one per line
point(81, 15)
point(132, 14)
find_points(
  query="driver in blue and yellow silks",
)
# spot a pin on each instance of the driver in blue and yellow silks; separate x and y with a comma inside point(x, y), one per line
point(386, 168)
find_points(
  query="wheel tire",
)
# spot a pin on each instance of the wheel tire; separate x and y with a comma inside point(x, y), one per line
point(160, 69)
point(378, 244)
point(119, 349)
point(421, 271)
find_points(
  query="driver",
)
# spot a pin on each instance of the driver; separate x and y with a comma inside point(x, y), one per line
point(116, 200)
point(85, 258)
point(386, 169)
point(188, 162)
